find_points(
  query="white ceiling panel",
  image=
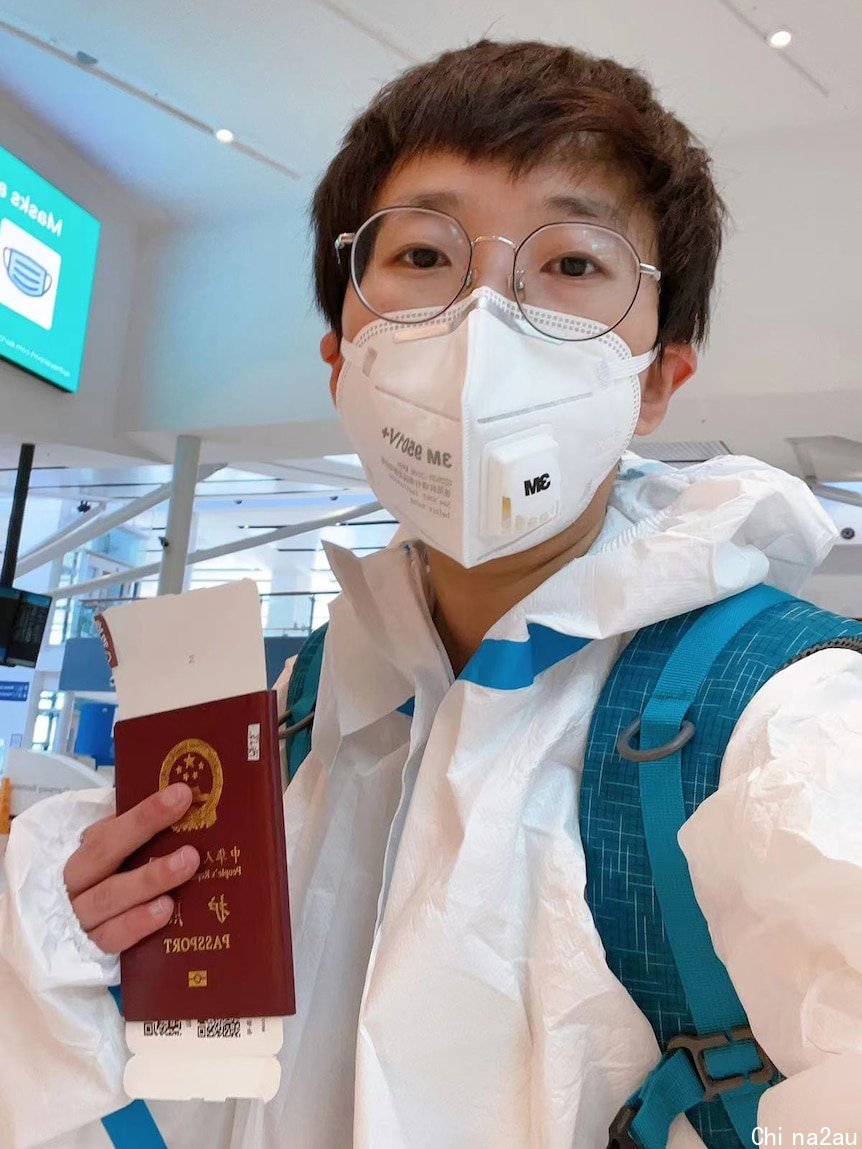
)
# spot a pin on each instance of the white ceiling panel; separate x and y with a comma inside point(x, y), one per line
point(283, 78)
point(710, 65)
point(286, 78)
point(827, 38)
point(165, 164)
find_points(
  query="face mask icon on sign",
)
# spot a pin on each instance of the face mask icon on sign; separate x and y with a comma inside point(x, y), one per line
point(26, 274)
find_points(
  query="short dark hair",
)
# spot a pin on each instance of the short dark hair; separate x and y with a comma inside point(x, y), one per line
point(525, 103)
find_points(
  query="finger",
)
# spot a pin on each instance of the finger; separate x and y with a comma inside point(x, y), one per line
point(117, 894)
point(107, 844)
point(129, 928)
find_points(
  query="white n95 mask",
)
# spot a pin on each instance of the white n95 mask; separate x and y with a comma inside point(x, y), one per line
point(479, 434)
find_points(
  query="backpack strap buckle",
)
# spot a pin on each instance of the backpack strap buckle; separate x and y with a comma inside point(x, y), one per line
point(697, 1045)
point(619, 1134)
point(626, 750)
point(291, 727)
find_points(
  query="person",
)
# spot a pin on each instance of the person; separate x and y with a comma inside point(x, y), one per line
point(515, 250)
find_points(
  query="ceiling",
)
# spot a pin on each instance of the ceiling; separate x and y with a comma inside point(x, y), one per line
point(286, 78)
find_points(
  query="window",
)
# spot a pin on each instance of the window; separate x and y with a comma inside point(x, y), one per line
point(50, 707)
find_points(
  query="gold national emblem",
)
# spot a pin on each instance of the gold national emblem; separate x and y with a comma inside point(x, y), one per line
point(197, 764)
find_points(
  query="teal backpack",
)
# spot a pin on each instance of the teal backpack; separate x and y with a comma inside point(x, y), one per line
point(654, 752)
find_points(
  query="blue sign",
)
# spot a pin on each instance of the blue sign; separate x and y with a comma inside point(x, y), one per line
point(14, 691)
point(85, 666)
point(48, 248)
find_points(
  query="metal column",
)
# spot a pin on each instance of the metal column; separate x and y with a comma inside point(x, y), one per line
point(176, 541)
point(16, 515)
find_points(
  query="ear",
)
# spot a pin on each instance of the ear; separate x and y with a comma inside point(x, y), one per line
point(675, 365)
point(330, 353)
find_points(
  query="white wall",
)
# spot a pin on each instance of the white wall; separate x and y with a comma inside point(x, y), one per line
point(837, 585)
point(226, 337)
point(33, 410)
point(837, 593)
point(790, 292)
point(784, 355)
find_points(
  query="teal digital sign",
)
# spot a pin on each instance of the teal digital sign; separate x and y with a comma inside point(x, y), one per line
point(48, 247)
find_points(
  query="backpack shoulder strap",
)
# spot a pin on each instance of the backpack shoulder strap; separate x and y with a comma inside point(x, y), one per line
point(133, 1128)
point(742, 1071)
point(302, 701)
point(677, 677)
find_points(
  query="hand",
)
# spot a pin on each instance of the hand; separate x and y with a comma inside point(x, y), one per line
point(115, 909)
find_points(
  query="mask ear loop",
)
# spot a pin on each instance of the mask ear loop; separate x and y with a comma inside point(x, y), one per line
point(641, 362)
point(626, 368)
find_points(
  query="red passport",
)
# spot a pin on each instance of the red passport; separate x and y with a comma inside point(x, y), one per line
point(226, 952)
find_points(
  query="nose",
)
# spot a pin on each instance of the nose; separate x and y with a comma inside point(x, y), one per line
point(491, 265)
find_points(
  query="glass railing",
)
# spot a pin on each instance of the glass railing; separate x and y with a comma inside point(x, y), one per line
point(295, 613)
point(79, 616)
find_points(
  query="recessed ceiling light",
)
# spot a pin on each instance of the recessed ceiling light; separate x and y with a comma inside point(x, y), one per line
point(780, 39)
point(225, 136)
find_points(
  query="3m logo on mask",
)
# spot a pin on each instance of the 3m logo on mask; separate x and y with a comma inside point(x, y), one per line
point(537, 485)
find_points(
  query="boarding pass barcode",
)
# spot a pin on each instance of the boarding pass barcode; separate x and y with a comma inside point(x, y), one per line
point(219, 1027)
point(163, 1028)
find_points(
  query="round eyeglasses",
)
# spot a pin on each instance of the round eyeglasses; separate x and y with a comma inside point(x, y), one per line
point(406, 259)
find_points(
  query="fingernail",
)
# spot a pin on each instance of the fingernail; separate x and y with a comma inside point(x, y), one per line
point(175, 795)
point(160, 907)
point(183, 859)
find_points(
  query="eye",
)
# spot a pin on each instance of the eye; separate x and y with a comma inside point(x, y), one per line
point(576, 266)
point(423, 258)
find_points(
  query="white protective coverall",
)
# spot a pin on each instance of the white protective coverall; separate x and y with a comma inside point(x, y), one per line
point(452, 989)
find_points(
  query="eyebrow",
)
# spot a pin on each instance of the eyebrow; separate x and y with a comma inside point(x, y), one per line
point(562, 206)
point(436, 201)
point(597, 209)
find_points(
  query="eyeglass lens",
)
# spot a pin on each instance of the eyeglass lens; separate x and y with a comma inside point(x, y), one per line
point(414, 259)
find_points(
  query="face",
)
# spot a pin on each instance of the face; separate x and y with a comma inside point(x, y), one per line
point(485, 198)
